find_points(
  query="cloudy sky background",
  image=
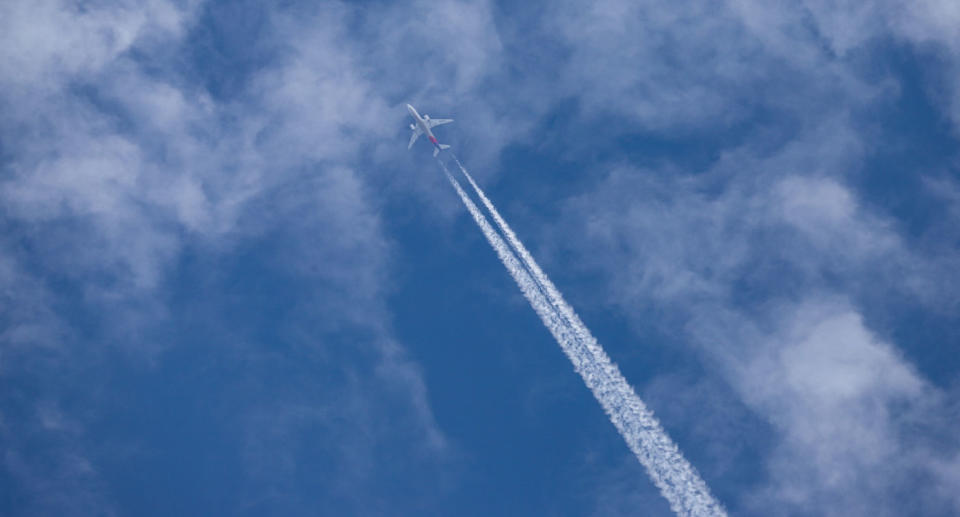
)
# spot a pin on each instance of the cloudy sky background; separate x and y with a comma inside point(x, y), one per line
point(227, 288)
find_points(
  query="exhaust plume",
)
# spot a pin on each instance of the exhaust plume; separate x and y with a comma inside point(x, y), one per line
point(677, 480)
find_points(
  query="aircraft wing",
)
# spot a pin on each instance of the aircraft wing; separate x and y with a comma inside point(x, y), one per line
point(439, 121)
point(413, 137)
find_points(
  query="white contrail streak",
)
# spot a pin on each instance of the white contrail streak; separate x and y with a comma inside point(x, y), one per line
point(527, 285)
point(677, 480)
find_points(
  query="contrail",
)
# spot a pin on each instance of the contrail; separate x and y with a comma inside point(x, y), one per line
point(676, 478)
point(527, 285)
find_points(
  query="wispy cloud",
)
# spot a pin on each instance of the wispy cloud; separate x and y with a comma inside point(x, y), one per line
point(769, 263)
point(119, 163)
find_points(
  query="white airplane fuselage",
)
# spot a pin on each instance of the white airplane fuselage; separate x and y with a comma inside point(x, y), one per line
point(424, 127)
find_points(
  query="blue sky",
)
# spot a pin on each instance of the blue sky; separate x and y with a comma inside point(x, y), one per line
point(226, 288)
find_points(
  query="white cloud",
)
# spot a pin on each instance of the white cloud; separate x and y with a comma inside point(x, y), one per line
point(844, 404)
point(756, 260)
point(50, 41)
point(829, 217)
point(117, 162)
point(928, 26)
point(675, 68)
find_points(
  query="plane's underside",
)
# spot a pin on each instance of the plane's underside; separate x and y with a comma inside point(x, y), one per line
point(423, 125)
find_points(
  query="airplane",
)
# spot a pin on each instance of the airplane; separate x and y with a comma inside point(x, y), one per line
point(423, 125)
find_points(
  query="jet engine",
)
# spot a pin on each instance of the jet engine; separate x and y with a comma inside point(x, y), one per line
point(412, 127)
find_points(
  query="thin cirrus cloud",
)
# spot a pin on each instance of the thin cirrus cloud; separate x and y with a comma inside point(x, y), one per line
point(119, 166)
point(778, 266)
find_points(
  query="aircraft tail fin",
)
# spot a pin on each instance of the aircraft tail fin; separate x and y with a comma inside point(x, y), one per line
point(436, 150)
